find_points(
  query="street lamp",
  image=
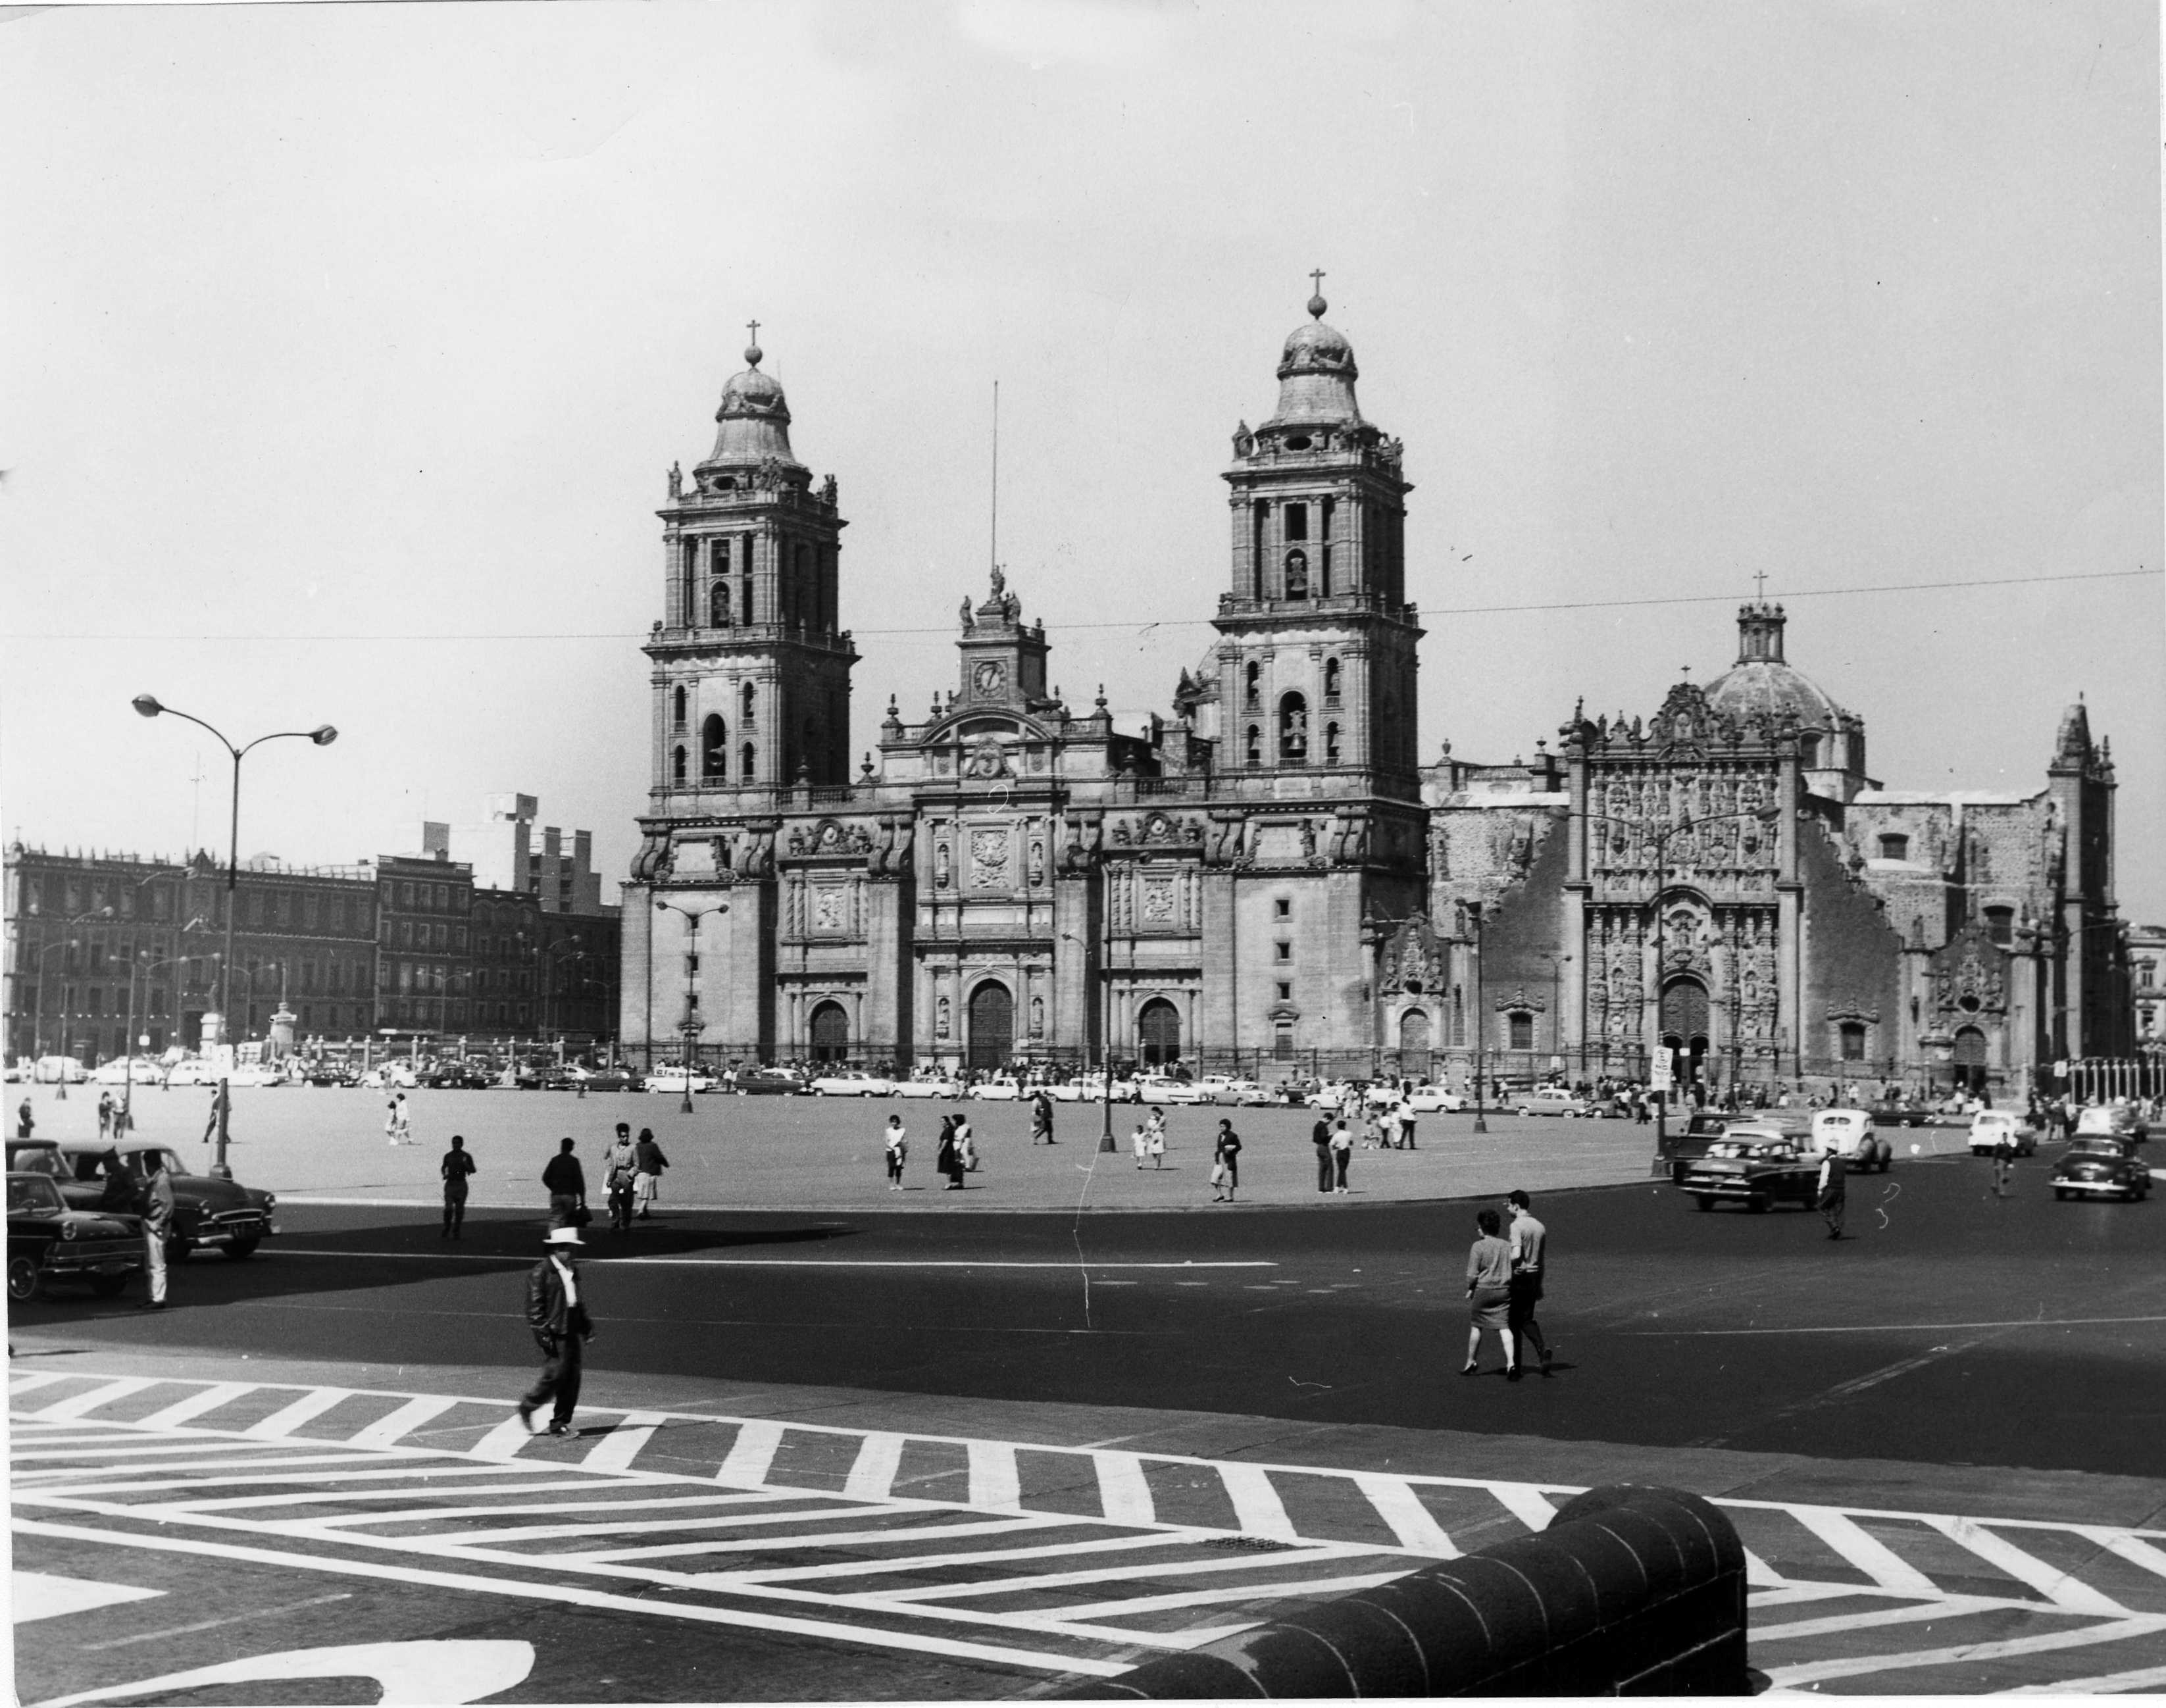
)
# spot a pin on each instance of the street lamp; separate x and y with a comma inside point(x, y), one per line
point(1480, 1020)
point(1106, 1035)
point(323, 735)
point(128, 1056)
point(691, 1021)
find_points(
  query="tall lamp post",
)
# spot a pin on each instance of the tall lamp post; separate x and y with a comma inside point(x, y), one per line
point(128, 1087)
point(691, 1025)
point(1106, 1036)
point(1480, 1020)
point(323, 735)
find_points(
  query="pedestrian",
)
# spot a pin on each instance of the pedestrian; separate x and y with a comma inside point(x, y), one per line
point(221, 1105)
point(396, 1122)
point(1040, 1118)
point(1407, 1124)
point(567, 1184)
point(2004, 1163)
point(620, 1165)
point(1831, 1200)
point(896, 1141)
point(944, 1160)
point(1157, 1136)
point(456, 1168)
point(1372, 1128)
point(1225, 1163)
point(105, 1114)
point(557, 1314)
point(1320, 1136)
point(1489, 1294)
point(1141, 1142)
point(155, 1206)
point(1342, 1153)
point(1528, 1240)
point(26, 1122)
point(648, 1163)
point(966, 1143)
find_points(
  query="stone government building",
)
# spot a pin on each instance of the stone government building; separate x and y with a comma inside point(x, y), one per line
point(1269, 877)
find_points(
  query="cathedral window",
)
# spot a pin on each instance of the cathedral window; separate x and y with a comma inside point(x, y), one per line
point(745, 605)
point(1296, 575)
point(1809, 751)
point(1258, 518)
point(1281, 908)
point(1282, 951)
point(713, 748)
point(745, 767)
point(1895, 847)
point(1285, 990)
point(2001, 925)
point(745, 717)
point(1331, 744)
point(1331, 681)
point(1254, 752)
point(1523, 1030)
point(691, 582)
point(677, 765)
point(718, 605)
point(1853, 1040)
point(1252, 693)
point(1282, 1041)
point(677, 709)
point(1293, 731)
point(1297, 522)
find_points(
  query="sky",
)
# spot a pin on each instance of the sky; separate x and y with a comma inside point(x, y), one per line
point(344, 349)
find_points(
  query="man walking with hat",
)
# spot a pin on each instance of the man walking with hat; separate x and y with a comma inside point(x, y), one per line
point(557, 1314)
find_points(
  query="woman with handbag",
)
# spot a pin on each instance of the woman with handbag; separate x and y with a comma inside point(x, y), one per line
point(648, 1163)
point(1225, 1163)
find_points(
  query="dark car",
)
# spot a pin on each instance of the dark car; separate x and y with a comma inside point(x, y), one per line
point(454, 1076)
point(614, 1079)
point(1753, 1171)
point(2100, 1165)
point(49, 1241)
point(207, 1211)
point(769, 1082)
point(1899, 1112)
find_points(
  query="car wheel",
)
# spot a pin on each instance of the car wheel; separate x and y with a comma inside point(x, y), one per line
point(2061, 1193)
point(1758, 1204)
point(22, 1278)
point(1701, 1201)
point(108, 1286)
point(243, 1248)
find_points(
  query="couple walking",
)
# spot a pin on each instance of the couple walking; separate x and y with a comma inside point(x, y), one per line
point(1504, 1285)
point(1334, 1150)
point(1149, 1140)
point(956, 1151)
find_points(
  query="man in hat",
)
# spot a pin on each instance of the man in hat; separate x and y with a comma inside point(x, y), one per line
point(557, 1314)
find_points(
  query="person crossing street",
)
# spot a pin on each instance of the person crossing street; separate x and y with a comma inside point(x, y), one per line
point(1832, 1189)
point(457, 1170)
point(557, 1313)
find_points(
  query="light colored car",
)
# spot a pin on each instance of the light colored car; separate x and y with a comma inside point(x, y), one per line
point(1091, 1089)
point(1163, 1088)
point(387, 1076)
point(1435, 1100)
point(1328, 1097)
point(852, 1085)
point(55, 1070)
point(1988, 1126)
point(939, 1086)
point(2111, 1121)
point(120, 1070)
point(673, 1080)
point(1849, 1133)
point(1552, 1100)
point(999, 1089)
point(191, 1073)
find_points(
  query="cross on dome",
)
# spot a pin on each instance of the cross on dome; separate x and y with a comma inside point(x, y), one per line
point(752, 352)
point(1317, 305)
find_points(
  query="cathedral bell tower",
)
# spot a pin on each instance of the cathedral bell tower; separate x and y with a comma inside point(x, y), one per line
point(751, 667)
point(1317, 655)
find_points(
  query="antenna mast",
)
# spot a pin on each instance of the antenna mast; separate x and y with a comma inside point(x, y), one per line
point(996, 475)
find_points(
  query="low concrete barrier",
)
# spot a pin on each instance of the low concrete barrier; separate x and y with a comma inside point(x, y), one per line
point(1630, 1591)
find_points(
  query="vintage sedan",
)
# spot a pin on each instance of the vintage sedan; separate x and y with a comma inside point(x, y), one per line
point(48, 1240)
point(1163, 1088)
point(1754, 1171)
point(1435, 1100)
point(2100, 1165)
point(766, 1082)
point(1989, 1126)
point(207, 1211)
point(853, 1083)
point(938, 1085)
point(1553, 1100)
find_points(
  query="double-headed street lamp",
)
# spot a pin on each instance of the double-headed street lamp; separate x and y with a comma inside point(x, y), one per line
point(691, 1023)
point(323, 735)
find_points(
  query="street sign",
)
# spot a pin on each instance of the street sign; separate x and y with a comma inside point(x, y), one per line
point(1658, 1073)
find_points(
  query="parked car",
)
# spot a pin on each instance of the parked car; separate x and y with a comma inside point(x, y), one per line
point(1000, 1089)
point(2111, 1121)
point(674, 1079)
point(852, 1082)
point(207, 1211)
point(1329, 1097)
point(1849, 1133)
point(1755, 1172)
point(58, 1069)
point(1900, 1112)
point(1435, 1100)
point(769, 1082)
point(613, 1079)
point(1989, 1126)
point(121, 1070)
point(1221, 1088)
point(2102, 1165)
point(1552, 1100)
point(1163, 1088)
point(935, 1085)
point(48, 1240)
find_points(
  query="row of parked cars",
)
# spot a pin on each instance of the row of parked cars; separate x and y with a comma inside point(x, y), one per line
point(71, 1213)
point(1770, 1160)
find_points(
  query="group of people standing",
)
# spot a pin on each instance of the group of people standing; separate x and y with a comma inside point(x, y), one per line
point(954, 1156)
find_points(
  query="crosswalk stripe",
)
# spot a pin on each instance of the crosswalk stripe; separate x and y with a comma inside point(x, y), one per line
point(1414, 1524)
point(1127, 1572)
point(616, 1450)
point(2109, 1683)
point(76, 1404)
point(1759, 1575)
point(1866, 1552)
point(30, 1381)
point(880, 1457)
point(1124, 1493)
point(504, 1440)
point(1209, 1597)
point(751, 1456)
point(1855, 1666)
point(2057, 1586)
point(1909, 1613)
point(996, 1483)
point(196, 1405)
point(822, 1539)
point(312, 1404)
point(979, 1557)
point(394, 1428)
point(1257, 1508)
point(2136, 1553)
point(1525, 1503)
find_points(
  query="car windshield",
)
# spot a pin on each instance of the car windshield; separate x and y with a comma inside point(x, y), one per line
point(32, 1194)
point(2097, 1147)
point(39, 1159)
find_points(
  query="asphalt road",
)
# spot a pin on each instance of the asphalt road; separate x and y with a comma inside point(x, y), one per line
point(1949, 1326)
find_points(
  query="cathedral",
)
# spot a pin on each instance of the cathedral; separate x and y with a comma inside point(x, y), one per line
point(1269, 880)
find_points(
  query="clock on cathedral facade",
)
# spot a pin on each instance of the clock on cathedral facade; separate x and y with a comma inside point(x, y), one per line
point(1269, 880)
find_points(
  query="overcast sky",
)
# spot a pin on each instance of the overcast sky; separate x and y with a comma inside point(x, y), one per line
point(344, 348)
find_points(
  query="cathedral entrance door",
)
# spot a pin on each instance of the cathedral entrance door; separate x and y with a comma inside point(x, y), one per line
point(1684, 1031)
point(831, 1033)
point(1970, 1059)
point(1413, 1044)
point(1158, 1031)
point(992, 1026)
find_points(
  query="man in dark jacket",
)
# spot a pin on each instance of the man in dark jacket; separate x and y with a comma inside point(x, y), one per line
point(557, 1312)
point(567, 1182)
point(1832, 1193)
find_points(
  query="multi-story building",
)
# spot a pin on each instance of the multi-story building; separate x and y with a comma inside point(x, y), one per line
point(507, 850)
point(2147, 970)
point(1270, 872)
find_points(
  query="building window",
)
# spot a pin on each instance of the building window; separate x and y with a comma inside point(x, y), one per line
point(1254, 751)
point(1331, 681)
point(1293, 731)
point(1286, 992)
point(1522, 1029)
point(713, 748)
point(1282, 1041)
point(1297, 522)
point(2145, 971)
point(745, 763)
point(1296, 575)
point(718, 605)
point(2001, 925)
point(1895, 847)
point(1809, 751)
point(679, 704)
point(1282, 908)
point(677, 765)
point(1283, 950)
point(1853, 1032)
point(745, 704)
point(1331, 744)
point(1252, 693)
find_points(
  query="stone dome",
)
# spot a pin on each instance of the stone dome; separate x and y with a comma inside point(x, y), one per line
point(1770, 689)
point(753, 419)
point(1316, 373)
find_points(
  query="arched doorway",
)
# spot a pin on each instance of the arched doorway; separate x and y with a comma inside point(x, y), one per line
point(1684, 1031)
point(992, 1026)
point(831, 1033)
point(1970, 1059)
point(1158, 1030)
point(1415, 1044)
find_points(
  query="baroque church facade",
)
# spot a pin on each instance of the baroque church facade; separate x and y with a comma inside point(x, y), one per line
point(1270, 876)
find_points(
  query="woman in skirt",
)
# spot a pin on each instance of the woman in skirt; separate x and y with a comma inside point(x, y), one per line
point(648, 1162)
point(1489, 1293)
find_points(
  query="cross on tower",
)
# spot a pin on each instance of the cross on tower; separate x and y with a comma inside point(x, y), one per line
point(753, 326)
point(1760, 585)
point(1318, 276)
